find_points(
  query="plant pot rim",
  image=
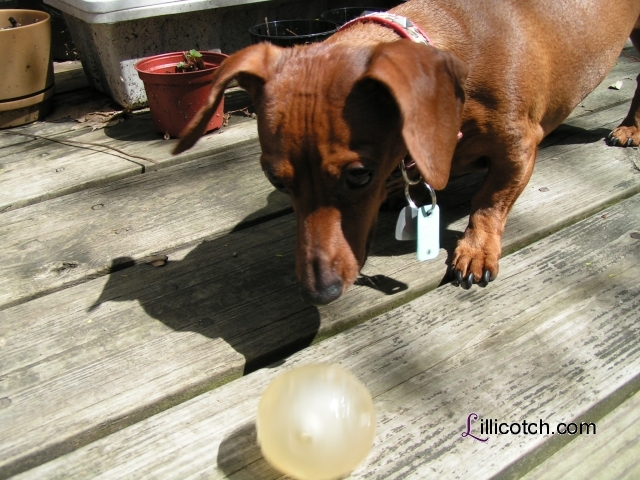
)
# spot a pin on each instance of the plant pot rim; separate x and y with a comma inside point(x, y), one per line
point(38, 97)
point(336, 11)
point(45, 15)
point(170, 57)
point(253, 30)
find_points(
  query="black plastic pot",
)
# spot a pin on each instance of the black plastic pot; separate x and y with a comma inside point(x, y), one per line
point(287, 33)
point(345, 14)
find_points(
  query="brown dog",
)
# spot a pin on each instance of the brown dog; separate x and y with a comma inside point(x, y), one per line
point(335, 119)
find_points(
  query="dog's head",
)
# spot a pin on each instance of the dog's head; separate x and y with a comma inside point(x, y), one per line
point(334, 120)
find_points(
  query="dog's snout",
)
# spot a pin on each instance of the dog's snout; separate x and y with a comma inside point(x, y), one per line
point(326, 285)
point(324, 295)
point(325, 263)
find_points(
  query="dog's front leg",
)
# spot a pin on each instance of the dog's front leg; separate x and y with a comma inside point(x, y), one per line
point(628, 133)
point(476, 257)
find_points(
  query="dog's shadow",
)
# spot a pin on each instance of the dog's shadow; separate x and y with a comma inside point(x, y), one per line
point(228, 289)
point(566, 134)
point(240, 288)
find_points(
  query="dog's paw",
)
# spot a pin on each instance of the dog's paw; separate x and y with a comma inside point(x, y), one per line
point(474, 265)
point(624, 137)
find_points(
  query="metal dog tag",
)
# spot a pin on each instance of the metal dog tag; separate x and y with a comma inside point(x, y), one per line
point(428, 233)
point(407, 224)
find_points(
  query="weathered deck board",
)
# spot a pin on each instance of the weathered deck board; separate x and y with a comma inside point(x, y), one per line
point(135, 148)
point(556, 340)
point(211, 315)
point(55, 170)
point(69, 76)
point(160, 212)
point(135, 218)
point(613, 454)
point(62, 156)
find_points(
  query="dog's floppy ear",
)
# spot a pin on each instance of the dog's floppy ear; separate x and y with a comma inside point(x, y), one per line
point(251, 66)
point(428, 86)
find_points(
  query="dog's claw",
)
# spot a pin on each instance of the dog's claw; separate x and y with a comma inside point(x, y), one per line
point(630, 142)
point(486, 278)
point(452, 272)
point(615, 141)
point(469, 281)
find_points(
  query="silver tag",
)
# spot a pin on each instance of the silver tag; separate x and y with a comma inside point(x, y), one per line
point(428, 233)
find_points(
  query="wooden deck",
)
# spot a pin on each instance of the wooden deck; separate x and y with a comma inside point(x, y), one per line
point(113, 367)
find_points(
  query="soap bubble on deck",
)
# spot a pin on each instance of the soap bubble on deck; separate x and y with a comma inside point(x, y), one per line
point(316, 422)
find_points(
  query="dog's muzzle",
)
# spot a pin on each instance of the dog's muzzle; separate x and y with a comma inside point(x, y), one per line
point(323, 296)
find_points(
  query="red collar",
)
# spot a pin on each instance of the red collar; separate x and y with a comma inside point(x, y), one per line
point(401, 25)
point(404, 27)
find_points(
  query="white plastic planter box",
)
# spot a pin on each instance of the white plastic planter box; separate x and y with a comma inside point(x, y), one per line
point(115, 11)
point(112, 35)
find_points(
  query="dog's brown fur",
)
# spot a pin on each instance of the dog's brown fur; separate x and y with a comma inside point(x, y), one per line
point(332, 115)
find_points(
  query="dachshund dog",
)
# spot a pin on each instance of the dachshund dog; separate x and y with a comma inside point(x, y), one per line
point(336, 118)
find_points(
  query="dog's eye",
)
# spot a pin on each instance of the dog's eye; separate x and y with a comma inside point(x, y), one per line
point(276, 182)
point(358, 177)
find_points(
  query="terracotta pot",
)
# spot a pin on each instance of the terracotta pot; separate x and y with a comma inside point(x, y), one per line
point(174, 98)
point(26, 83)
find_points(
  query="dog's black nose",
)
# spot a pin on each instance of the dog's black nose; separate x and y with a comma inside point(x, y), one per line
point(324, 296)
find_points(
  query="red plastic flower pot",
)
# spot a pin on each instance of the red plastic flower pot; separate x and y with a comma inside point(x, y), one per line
point(174, 98)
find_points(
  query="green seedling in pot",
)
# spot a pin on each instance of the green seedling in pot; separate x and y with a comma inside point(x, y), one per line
point(192, 62)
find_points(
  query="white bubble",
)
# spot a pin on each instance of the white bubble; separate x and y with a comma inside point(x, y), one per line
point(316, 422)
